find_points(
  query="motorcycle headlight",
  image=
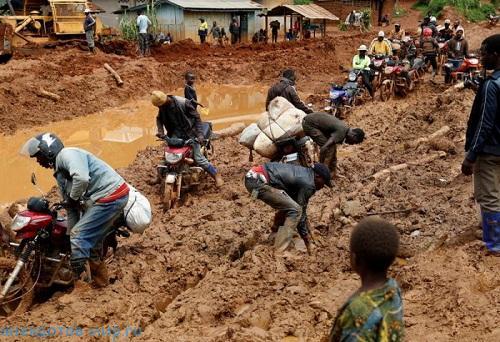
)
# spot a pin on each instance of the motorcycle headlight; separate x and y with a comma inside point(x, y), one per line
point(473, 61)
point(334, 95)
point(352, 77)
point(173, 158)
point(19, 222)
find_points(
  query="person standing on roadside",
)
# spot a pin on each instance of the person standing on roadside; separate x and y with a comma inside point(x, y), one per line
point(482, 144)
point(216, 34)
point(143, 23)
point(275, 27)
point(234, 29)
point(89, 27)
point(203, 30)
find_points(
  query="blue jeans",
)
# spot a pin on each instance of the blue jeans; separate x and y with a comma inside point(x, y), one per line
point(89, 232)
point(201, 160)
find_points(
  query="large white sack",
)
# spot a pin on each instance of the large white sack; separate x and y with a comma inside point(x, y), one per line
point(278, 106)
point(291, 121)
point(264, 121)
point(137, 211)
point(274, 131)
point(264, 146)
point(249, 134)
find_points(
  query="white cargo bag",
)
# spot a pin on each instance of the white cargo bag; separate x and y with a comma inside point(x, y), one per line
point(278, 106)
point(248, 136)
point(137, 212)
point(265, 146)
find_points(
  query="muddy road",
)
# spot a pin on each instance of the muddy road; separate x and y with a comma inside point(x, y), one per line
point(206, 271)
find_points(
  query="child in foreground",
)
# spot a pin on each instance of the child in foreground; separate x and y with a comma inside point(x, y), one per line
point(375, 311)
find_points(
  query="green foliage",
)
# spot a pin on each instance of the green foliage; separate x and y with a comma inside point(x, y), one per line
point(302, 2)
point(128, 23)
point(473, 10)
point(366, 14)
point(342, 26)
point(399, 12)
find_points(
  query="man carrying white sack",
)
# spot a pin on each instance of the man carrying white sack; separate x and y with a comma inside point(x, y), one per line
point(286, 88)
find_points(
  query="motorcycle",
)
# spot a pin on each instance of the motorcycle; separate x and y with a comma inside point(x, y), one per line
point(443, 53)
point(377, 65)
point(398, 79)
point(178, 171)
point(462, 69)
point(344, 98)
point(42, 253)
point(295, 150)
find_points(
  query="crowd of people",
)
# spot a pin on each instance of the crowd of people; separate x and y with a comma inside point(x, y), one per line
point(96, 194)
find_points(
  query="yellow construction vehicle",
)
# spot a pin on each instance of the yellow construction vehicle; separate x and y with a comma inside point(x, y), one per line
point(38, 21)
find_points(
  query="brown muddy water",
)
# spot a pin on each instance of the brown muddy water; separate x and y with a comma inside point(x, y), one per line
point(117, 134)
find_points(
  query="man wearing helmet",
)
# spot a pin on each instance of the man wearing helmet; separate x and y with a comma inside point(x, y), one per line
point(446, 33)
point(458, 49)
point(433, 26)
point(95, 195)
point(362, 62)
point(380, 45)
point(430, 48)
point(88, 28)
point(181, 120)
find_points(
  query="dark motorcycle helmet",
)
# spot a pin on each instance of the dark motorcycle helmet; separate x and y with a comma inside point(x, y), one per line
point(45, 145)
point(38, 204)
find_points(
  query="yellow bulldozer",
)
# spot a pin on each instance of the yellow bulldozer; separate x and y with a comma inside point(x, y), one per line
point(39, 21)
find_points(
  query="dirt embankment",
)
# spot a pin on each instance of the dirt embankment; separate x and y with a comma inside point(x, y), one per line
point(207, 270)
point(86, 87)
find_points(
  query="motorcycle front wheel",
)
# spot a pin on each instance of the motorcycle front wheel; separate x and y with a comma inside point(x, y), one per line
point(385, 91)
point(20, 296)
point(169, 196)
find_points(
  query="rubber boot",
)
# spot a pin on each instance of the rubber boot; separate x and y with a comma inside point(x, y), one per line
point(491, 231)
point(99, 273)
point(279, 220)
point(81, 275)
point(284, 237)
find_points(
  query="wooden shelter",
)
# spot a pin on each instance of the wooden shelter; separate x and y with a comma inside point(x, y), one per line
point(301, 12)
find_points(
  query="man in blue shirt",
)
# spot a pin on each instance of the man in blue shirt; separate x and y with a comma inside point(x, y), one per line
point(88, 27)
point(482, 144)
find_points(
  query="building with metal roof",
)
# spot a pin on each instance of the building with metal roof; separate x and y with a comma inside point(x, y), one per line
point(181, 17)
point(305, 16)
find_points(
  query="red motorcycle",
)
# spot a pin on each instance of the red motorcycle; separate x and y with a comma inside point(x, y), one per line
point(377, 65)
point(397, 79)
point(42, 253)
point(462, 69)
point(178, 171)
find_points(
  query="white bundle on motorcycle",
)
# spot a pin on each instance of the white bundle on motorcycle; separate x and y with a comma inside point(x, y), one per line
point(249, 135)
point(265, 146)
point(281, 119)
point(137, 211)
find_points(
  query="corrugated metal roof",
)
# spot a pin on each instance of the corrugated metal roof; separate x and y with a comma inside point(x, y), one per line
point(216, 5)
point(203, 5)
point(311, 11)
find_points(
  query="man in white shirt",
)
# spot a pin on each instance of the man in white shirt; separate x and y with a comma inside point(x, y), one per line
point(143, 23)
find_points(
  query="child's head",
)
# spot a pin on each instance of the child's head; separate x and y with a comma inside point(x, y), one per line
point(190, 77)
point(374, 244)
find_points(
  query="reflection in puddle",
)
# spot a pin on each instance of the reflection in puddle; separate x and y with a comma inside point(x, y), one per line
point(117, 134)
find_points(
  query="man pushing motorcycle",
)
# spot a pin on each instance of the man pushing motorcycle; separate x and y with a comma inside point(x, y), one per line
point(182, 121)
point(95, 196)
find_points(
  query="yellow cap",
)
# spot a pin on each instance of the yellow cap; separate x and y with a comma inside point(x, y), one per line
point(158, 98)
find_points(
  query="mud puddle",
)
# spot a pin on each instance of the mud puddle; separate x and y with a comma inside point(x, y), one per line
point(117, 134)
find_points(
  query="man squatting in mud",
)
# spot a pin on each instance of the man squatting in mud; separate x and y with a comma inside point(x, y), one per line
point(482, 144)
point(287, 188)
